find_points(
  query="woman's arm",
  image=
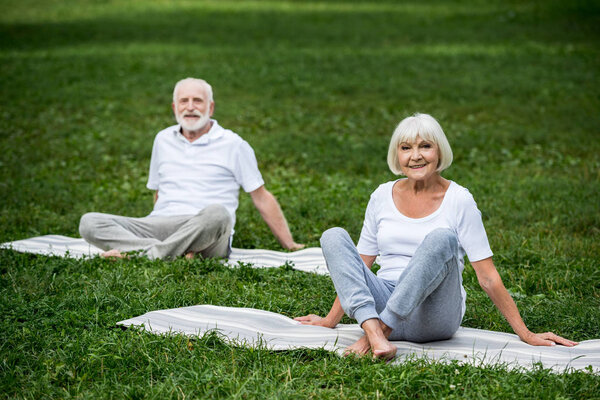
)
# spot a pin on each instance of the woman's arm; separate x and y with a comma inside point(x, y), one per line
point(330, 321)
point(336, 313)
point(491, 282)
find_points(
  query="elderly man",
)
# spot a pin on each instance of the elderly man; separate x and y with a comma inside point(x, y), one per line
point(196, 170)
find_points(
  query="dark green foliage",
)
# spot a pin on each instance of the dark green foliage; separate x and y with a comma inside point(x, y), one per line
point(317, 89)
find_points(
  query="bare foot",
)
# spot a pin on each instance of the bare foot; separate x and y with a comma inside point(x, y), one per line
point(387, 351)
point(114, 253)
point(190, 255)
point(360, 347)
point(377, 333)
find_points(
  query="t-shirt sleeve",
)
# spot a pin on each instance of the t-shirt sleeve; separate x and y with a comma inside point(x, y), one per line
point(470, 230)
point(153, 172)
point(367, 243)
point(246, 170)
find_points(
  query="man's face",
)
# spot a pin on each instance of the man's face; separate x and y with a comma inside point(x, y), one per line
point(192, 107)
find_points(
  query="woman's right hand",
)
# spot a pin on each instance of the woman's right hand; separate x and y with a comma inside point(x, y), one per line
point(313, 319)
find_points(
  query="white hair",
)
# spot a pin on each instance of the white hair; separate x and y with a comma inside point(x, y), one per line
point(425, 127)
point(206, 85)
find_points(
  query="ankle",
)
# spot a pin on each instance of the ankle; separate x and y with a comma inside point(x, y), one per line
point(386, 330)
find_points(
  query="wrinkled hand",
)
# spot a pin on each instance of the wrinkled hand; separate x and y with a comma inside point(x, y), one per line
point(313, 319)
point(547, 339)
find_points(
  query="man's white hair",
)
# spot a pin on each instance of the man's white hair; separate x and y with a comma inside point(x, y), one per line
point(202, 82)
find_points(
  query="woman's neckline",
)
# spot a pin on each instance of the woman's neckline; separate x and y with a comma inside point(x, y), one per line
point(426, 217)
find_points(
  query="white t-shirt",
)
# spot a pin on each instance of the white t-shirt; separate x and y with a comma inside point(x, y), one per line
point(395, 237)
point(209, 170)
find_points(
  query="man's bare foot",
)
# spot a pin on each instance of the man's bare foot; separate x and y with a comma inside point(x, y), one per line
point(377, 333)
point(190, 255)
point(114, 253)
point(360, 347)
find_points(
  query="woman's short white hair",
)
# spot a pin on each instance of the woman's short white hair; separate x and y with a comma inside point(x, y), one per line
point(207, 87)
point(425, 127)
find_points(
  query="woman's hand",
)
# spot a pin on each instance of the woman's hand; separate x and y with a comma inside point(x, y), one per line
point(330, 321)
point(547, 339)
point(313, 319)
point(490, 281)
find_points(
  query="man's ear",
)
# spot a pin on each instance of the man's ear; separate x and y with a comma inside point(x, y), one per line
point(212, 108)
point(173, 108)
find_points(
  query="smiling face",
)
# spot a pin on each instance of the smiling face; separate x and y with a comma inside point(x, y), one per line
point(418, 160)
point(192, 107)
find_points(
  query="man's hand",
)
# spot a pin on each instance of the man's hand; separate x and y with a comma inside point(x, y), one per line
point(313, 319)
point(295, 246)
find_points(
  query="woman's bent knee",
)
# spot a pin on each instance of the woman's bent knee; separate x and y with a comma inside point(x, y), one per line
point(333, 235)
point(443, 236)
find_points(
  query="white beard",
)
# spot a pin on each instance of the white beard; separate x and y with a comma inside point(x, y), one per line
point(193, 126)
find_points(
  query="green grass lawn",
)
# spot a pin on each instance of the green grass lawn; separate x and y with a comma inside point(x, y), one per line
point(316, 88)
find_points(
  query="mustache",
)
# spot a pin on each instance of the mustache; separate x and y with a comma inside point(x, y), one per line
point(195, 113)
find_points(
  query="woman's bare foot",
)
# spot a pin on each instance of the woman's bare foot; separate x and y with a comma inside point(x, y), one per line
point(114, 253)
point(377, 333)
point(360, 347)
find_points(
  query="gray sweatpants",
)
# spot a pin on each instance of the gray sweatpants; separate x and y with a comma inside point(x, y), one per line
point(424, 305)
point(206, 233)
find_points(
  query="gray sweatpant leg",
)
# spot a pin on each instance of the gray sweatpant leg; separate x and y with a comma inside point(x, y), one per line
point(206, 233)
point(424, 305)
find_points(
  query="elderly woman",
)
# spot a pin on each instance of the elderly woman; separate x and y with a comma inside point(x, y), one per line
point(421, 227)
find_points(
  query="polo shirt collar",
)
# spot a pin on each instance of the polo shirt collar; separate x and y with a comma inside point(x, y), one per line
point(215, 133)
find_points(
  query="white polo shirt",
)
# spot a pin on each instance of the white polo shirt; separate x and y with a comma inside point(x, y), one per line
point(210, 170)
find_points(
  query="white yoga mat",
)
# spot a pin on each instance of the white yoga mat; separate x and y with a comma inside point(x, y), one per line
point(251, 328)
point(307, 260)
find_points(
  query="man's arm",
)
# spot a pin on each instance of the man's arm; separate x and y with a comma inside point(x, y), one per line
point(155, 196)
point(270, 211)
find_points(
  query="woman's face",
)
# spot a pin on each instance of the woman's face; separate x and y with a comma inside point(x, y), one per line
point(418, 160)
